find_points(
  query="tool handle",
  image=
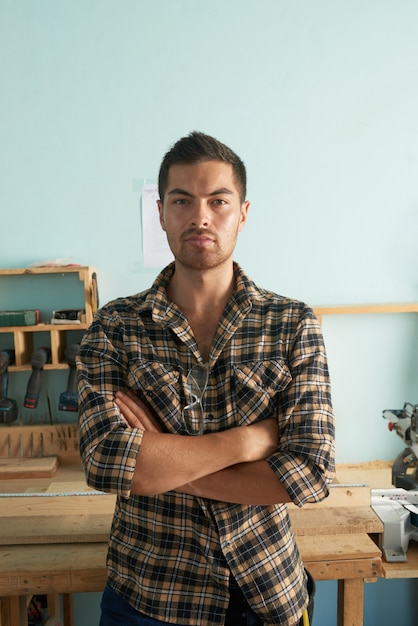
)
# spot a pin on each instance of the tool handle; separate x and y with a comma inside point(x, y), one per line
point(33, 390)
point(7, 357)
point(72, 380)
point(4, 377)
point(38, 360)
point(70, 354)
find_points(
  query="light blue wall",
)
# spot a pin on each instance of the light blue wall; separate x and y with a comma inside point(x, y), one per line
point(319, 98)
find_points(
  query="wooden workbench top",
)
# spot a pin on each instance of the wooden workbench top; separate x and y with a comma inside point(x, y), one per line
point(41, 518)
point(72, 567)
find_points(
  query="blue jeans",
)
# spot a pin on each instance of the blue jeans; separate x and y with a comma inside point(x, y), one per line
point(117, 612)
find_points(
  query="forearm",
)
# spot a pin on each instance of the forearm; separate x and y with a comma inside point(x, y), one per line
point(245, 483)
point(166, 461)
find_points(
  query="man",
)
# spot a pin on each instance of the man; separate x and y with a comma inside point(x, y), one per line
point(205, 406)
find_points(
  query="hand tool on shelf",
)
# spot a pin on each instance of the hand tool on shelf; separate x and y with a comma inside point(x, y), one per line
point(39, 358)
point(8, 406)
point(69, 399)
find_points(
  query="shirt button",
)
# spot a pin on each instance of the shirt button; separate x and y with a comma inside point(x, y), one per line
point(210, 416)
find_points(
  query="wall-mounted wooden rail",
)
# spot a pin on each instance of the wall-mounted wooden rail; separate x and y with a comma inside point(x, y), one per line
point(365, 309)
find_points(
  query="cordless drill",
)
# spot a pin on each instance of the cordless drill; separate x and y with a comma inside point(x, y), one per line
point(8, 407)
point(69, 398)
point(38, 359)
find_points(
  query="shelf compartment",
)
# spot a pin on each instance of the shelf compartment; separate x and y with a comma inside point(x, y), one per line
point(25, 339)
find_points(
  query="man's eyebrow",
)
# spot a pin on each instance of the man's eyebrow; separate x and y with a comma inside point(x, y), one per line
point(183, 192)
point(179, 192)
point(221, 191)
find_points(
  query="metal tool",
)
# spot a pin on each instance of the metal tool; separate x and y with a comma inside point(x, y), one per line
point(398, 510)
point(404, 422)
point(8, 406)
point(39, 358)
point(69, 399)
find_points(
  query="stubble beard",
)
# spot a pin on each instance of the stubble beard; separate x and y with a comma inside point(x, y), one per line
point(200, 258)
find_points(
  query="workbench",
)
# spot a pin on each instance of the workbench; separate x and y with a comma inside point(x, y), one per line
point(56, 544)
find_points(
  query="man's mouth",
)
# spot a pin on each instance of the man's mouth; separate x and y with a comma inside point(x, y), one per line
point(199, 239)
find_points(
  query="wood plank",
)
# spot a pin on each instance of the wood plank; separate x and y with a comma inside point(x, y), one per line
point(344, 497)
point(350, 602)
point(74, 487)
point(13, 611)
point(375, 474)
point(333, 521)
point(364, 569)
point(337, 547)
point(66, 524)
point(39, 529)
point(69, 568)
point(408, 569)
point(42, 519)
point(365, 309)
point(64, 568)
point(50, 506)
point(48, 269)
point(28, 467)
point(68, 608)
point(65, 472)
point(40, 441)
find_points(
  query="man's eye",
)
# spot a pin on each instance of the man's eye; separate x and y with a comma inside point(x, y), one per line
point(181, 201)
point(219, 202)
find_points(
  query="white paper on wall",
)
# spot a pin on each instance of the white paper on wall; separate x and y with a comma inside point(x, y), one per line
point(155, 248)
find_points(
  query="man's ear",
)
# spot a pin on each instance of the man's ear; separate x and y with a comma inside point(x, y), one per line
point(161, 214)
point(244, 214)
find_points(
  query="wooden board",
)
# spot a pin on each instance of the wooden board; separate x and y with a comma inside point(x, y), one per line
point(40, 441)
point(28, 468)
point(32, 505)
point(58, 519)
point(341, 557)
point(43, 529)
point(408, 569)
point(82, 567)
point(335, 521)
point(64, 568)
point(337, 547)
point(73, 487)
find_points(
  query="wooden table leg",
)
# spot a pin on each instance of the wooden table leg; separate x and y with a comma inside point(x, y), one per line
point(350, 602)
point(53, 604)
point(14, 611)
point(67, 600)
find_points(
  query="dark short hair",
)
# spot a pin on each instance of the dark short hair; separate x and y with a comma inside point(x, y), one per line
point(196, 148)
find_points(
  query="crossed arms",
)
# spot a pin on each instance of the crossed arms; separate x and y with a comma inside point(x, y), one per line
point(227, 466)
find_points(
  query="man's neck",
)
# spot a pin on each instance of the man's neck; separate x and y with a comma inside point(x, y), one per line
point(199, 292)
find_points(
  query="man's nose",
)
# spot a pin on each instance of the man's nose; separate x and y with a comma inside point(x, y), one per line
point(200, 215)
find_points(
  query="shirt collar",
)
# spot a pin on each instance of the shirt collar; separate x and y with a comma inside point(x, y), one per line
point(162, 307)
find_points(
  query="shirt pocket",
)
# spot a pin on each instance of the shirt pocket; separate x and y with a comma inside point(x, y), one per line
point(160, 388)
point(257, 387)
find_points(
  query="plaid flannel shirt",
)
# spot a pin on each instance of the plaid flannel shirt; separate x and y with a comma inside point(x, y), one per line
point(171, 555)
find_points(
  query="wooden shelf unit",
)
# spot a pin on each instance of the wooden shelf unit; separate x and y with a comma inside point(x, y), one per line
point(23, 336)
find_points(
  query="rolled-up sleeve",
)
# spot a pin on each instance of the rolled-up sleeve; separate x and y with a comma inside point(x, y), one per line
point(304, 461)
point(108, 448)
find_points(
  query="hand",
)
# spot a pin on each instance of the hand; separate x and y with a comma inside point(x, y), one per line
point(136, 413)
point(263, 439)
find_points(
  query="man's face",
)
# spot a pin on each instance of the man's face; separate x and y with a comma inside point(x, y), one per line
point(202, 213)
